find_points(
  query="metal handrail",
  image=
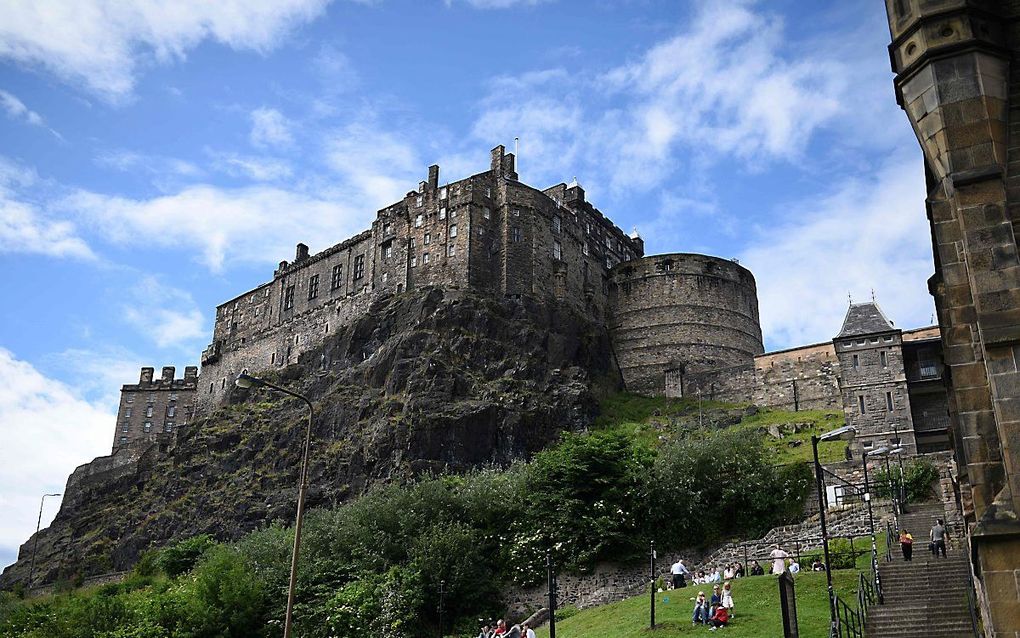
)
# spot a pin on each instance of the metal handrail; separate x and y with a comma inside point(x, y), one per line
point(972, 605)
point(849, 621)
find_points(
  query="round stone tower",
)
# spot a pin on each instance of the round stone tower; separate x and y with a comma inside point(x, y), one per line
point(678, 314)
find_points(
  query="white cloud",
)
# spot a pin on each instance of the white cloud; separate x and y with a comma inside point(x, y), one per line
point(254, 224)
point(25, 229)
point(259, 169)
point(270, 128)
point(101, 45)
point(726, 85)
point(131, 161)
point(48, 430)
point(167, 315)
point(380, 164)
point(866, 233)
point(17, 110)
point(496, 4)
point(98, 372)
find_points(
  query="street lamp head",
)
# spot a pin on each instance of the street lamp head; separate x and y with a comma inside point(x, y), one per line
point(845, 432)
point(245, 380)
point(877, 451)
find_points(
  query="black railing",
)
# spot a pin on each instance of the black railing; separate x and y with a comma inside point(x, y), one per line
point(850, 621)
point(972, 606)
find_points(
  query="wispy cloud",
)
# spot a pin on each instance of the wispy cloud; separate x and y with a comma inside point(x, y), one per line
point(168, 316)
point(27, 229)
point(257, 168)
point(866, 233)
point(17, 110)
point(159, 165)
point(99, 45)
point(269, 128)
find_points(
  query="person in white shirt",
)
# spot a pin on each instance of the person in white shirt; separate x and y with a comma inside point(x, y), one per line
point(794, 567)
point(528, 631)
point(679, 572)
point(778, 557)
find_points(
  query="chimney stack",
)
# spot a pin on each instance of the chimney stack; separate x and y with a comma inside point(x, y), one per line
point(301, 253)
point(434, 176)
point(168, 374)
point(146, 376)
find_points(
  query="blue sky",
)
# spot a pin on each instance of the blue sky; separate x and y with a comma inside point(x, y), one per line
point(157, 161)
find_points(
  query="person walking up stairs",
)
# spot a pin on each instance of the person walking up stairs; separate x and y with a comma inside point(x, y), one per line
point(925, 597)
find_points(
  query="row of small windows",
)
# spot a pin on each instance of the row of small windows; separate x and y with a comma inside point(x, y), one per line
point(864, 342)
point(862, 407)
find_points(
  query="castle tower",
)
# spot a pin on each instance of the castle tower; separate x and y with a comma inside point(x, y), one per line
point(952, 60)
point(154, 406)
point(873, 379)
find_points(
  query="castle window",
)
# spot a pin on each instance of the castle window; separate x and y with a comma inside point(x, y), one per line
point(442, 193)
point(147, 427)
point(385, 277)
point(515, 234)
point(288, 298)
point(313, 287)
point(428, 239)
point(359, 266)
point(888, 401)
point(442, 213)
point(386, 228)
point(451, 250)
point(486, 213)
point(130, 398)
point(860, 403)
point(124, 427)
point(410, 243)
point(168, 427)
point(171, 410)
point(453, 230)
point(387, 250)
point(127, 413)
point(210, 388)
point(861, 342)
point(420, 200)
point(453, 213)
point(857, 362)
point(123, 440)
point(424, 258)
point(414, 261)
point(418, 220)
point(337, 278)
point(481, 232)
point(887, 338)
point(609, 242)
point(517, 212)
point(152, 397)
point(609, 262)
point(272, 359)
point(587, 228)
point(584, 248)
point(557, 224)
point(557, 250)
point(148, 411)
point(223, 383)
point(885, 359)
point(488, 191)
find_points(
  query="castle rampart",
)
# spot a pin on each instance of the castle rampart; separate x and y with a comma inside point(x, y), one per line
point(682, 313)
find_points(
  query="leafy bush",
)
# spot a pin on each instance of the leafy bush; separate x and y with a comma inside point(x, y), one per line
point(183, 555)
point(919, 478)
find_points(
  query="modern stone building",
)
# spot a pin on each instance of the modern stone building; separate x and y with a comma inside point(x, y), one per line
point(958, 79)
point(154, 406)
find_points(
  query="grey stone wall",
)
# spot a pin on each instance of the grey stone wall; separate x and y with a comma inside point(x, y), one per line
point(154, 405)
point(874, 386)
point(682, 312)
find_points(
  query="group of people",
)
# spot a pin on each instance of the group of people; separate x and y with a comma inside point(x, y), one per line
point(938, 536)
point(716, 611)
point(500, 629)
point(679, 574)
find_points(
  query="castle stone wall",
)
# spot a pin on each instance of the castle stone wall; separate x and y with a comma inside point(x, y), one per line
point(683, 312)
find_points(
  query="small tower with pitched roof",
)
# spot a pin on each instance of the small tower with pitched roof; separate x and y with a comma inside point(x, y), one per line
point(873, 379)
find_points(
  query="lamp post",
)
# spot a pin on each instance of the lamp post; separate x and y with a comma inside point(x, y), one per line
point(442, 594)
point(839, 433)
point(651, 576)
point(552, 593)
point(885, 452)
point(245, 380)
point(871, 524)
point(35, 542)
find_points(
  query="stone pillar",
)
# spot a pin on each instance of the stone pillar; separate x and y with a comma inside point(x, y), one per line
point(956, 81)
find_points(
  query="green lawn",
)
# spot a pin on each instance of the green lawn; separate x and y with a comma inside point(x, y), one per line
point(756, 611)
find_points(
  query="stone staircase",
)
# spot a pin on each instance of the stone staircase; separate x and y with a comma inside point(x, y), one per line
point(927, 597)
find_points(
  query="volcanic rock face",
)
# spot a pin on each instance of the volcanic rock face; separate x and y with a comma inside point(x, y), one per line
point(428, 381)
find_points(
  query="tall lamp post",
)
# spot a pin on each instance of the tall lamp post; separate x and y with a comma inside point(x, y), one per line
point(871, 522)
point(846, 431)
point(552, 593)
point(893, 492)
point(35, 543)
point(245, 380)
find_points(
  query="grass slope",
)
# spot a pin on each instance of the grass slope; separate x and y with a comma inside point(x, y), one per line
point(650, 419)
point(756, 610)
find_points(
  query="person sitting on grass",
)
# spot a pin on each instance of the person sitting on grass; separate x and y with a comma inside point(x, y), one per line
point(739, 571)
point(720, 618)
point(757, 569)
point(794, 567)
point(818, 565)
point(701, 610)
point(716, 597)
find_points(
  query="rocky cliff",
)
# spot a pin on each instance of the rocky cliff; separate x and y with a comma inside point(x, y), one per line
point(428, 381)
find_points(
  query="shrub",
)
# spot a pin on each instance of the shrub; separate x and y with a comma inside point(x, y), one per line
point(183, 555)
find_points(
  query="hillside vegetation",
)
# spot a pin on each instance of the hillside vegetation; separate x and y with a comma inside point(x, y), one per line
point(650, 469)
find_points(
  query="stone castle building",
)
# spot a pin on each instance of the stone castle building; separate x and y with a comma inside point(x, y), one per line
point(155, 406)
point(680, 324)
point(957, 66)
